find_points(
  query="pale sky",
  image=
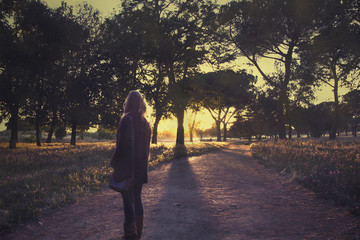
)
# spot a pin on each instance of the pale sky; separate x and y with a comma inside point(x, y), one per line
point(104, 6)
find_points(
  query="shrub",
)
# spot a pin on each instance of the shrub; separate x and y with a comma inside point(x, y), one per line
point(331, 169)
point(105, 134)
point(60, 133)
point(30, 139)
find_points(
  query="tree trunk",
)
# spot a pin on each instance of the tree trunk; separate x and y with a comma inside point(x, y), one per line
point(283, 91)
point(332, 134)
point(37, 129)
point(218, 131)
point(50, 134)
point(180, 128)
point(191, 128)
point(290, 132)
point(355, 127)
point(73, 133)
point(52, 128)
point(281, 116)
point(14, 126)
point(225, 132)
point(155, 130)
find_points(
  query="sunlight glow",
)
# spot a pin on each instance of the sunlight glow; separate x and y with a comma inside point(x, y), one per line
point(106, 7)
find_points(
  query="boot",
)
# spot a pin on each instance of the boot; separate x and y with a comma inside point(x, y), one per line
point(139, 220)
point(130, 231)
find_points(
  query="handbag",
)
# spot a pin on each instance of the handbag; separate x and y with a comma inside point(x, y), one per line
point(125, 185)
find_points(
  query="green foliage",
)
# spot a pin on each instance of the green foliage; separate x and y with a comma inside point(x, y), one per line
point(331, 169)
point(35, 179)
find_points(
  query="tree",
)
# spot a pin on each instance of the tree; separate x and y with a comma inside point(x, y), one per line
point(156, 93)
point(44, 36)
point(297, 118)
point(319, 119)
point(166, 46)
point(223, 94)
point(271, 30)
point(191, 120)
point(179, 32)
point(14, 87)
point(259, 118)
point(352, 99)
point(81, 89)
point(152, 73)
point(122, 66)
point(334, 52)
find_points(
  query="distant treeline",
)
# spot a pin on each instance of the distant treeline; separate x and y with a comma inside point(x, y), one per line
point(70, 68)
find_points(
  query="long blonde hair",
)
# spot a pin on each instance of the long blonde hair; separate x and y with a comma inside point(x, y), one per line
point(135, 103)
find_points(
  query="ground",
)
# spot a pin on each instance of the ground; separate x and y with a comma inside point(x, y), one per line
point(221, 195)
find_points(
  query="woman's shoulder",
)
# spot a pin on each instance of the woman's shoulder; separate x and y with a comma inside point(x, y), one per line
point(126, 119)
point(145, 121)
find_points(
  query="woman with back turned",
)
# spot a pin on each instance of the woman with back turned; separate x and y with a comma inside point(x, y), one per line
point(133, 129)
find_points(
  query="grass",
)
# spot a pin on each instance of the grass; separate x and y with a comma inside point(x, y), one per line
point(329, 168)
point(34, 179)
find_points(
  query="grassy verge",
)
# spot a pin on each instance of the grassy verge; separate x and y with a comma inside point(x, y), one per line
point(33, 179)
point(330, 169)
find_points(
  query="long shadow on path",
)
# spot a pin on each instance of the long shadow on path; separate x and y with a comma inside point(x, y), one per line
point(228, 195)
point(180, 212)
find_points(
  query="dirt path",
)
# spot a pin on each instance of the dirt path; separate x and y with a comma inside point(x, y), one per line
point(222, 195)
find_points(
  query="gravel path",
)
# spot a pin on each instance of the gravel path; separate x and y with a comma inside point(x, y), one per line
point(221, 195)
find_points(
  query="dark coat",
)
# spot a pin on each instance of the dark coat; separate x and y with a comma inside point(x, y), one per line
point(121, 159)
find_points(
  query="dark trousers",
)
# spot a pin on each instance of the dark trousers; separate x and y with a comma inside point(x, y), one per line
point(133, 204)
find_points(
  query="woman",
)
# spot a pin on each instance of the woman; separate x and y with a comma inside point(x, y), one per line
point(132, 124)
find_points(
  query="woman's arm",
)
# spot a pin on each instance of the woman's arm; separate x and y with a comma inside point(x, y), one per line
point(123, 143)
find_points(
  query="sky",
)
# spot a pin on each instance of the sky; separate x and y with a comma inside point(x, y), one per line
point(106, 7)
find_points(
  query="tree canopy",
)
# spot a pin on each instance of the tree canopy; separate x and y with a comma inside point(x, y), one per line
point(69, 67)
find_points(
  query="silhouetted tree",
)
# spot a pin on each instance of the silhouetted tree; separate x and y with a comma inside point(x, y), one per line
point(81, 88)
point(319, 118)
point(44, 35)
point(178, 35)
point(14, 85)
point(272, 30)
point(259, 118)
point(335, 52)
point(223, 94)
point(352, 99)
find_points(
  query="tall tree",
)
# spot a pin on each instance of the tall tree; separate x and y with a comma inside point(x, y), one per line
point(335, 52)
point(271, 30)
point(121, 65)
point(81, 88)
point(14, 87)
point(44, 37)
point(180, 35)
point(156, 92)
point(168, 37)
